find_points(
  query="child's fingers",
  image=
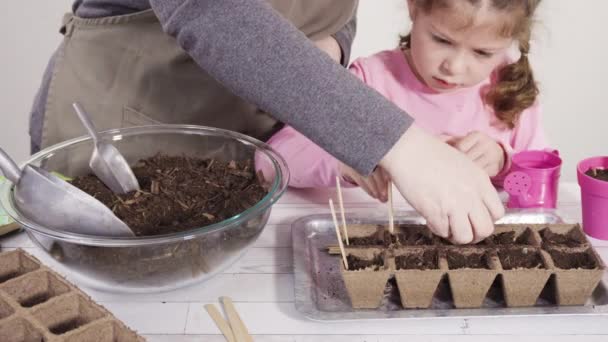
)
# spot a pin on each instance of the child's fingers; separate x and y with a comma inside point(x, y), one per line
point(367, 184)
point(446, 138)
point(492, 169)
point(476, 153)
point(386, 175)
point(380, 185)
point(487, 164)
point(373, 186)
point(466, 143)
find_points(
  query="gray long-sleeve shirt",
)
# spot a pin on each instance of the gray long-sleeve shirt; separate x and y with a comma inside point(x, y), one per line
point(267, 61)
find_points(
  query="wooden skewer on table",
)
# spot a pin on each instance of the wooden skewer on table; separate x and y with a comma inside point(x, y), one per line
point(220, 322)
point(238, 327)
point(234, 329)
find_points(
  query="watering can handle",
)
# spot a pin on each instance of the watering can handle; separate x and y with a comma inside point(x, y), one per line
point(86, 121)
point(9, 168)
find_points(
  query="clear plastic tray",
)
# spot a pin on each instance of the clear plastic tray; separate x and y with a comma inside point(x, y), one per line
point(320, 293)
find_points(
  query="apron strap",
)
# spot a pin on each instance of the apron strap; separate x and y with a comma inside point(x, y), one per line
point(66, 25)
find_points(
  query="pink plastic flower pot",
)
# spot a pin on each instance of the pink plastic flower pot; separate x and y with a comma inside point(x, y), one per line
point(594, 198)
point(534, 179)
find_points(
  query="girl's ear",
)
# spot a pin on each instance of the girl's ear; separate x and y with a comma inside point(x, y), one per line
point(411, 6)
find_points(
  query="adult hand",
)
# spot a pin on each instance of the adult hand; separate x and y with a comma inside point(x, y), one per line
point(376, 184)
point(330, 46)
point(443, 185)
point(482, 150)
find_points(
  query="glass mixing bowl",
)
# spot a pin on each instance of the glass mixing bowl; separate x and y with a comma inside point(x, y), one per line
point(161, 262)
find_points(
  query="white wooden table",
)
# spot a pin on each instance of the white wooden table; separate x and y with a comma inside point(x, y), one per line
point(261, 284)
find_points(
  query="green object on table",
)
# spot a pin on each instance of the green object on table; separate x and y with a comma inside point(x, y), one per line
point(4, 218)
point(65, 178)
point(7, 224)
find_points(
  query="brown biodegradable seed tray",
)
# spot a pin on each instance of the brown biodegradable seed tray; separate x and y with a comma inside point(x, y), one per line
point(575, 280)
point(471, 272)
point(367, 276)
point(417, 273)
point(525, 258)
point(36, 304)
point(523, 276)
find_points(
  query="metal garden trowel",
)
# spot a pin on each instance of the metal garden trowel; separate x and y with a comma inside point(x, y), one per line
point(106, 162)
point(55, 203)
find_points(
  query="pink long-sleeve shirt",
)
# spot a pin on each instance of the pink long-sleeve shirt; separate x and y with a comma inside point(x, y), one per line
point(455, 114)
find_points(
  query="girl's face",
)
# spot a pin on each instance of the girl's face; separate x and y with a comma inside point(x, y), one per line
point(457, 47)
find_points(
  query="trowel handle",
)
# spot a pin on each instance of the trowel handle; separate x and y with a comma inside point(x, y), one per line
point(86, 121)
point(9, 168)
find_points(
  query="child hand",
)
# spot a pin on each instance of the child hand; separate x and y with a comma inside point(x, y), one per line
point(376, 184)
point(482, 150)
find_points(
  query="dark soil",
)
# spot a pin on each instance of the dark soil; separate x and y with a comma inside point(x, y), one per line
point(418, 261)
point(356, 263)
point(601, 174)
point(371, 240)
point(525, 238)
point(509, 238)
point(506, 238)
point(520, 258)
point(573, 238)
point(412, 236)
point(571, 260)
point(458, 260)
point(179, 193)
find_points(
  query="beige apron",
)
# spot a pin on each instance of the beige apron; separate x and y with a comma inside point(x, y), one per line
point(127, 72)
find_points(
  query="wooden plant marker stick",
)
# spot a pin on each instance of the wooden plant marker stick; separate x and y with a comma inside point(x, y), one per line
point(341, 203)
point(333, 215)
point(333, 250)
point(238, 327)
point(220, 322)
point(5, 229)
point(391, 216)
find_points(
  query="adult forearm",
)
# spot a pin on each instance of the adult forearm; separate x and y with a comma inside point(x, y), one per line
point(261, 57)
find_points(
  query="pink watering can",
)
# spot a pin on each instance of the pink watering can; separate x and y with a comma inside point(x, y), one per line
point(533, 180)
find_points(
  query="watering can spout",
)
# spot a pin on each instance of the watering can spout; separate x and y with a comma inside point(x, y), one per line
point(517, 184)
